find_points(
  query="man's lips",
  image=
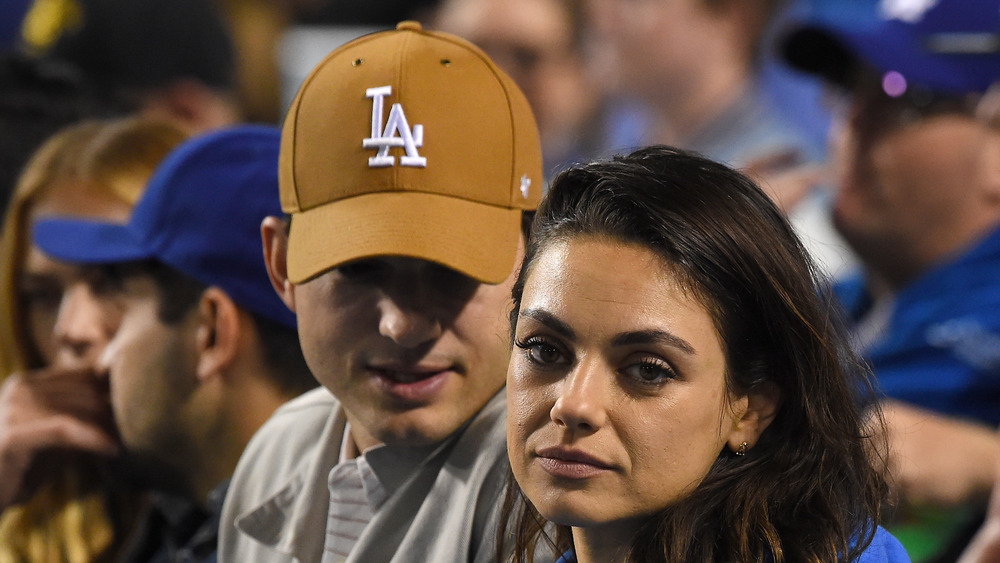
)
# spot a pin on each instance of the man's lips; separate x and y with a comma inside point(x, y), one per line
point(569, 463)
point(412, 384)
point(408, 374)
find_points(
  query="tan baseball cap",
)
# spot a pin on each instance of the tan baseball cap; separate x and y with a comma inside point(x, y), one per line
point(408, 143)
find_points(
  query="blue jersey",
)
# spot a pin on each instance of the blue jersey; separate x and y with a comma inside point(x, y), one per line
point(941, 347)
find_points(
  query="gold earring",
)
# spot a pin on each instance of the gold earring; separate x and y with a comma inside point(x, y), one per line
point(742, 450)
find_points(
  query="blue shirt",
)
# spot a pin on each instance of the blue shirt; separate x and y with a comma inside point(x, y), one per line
point(884, 549)
point(940, 348)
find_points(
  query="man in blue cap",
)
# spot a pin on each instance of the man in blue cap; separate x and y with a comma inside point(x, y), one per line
point(918, 158)
point(205, 351)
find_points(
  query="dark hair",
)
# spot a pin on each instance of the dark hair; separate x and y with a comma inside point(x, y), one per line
point(38, 98)
point(179, 293)
point(126, 45)
point(811, 488)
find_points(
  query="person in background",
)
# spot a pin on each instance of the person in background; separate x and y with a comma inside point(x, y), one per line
point(918, 200)
point(38, 98)
point(663, 416)
point(258, 27)
point(168, 59)
point(985, 545)
point(204, 351)
point(540, 44)
point(409, 165)
point(694, 65)
point(51, 401)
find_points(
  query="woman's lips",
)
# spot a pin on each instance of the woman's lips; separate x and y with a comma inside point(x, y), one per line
point(566, 463)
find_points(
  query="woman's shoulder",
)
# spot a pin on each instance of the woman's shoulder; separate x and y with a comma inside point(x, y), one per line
point(884, 548)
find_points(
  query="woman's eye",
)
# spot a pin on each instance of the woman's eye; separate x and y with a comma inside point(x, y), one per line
point(650, 372)
point(540, 352)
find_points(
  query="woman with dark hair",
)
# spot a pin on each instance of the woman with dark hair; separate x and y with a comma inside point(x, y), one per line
point(679, 390)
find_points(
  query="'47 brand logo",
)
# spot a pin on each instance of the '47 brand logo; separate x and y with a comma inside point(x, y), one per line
point(397, 133)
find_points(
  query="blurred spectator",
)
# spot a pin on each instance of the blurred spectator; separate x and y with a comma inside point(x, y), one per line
point(985, 546)
point(204, 350)
point(68, 509)
point(258, 27)
point(693, 64)
point(919, 202)
point(539, 44)
point(695, 67)
point(172, 59)
point(37, 98)
point(11, 15)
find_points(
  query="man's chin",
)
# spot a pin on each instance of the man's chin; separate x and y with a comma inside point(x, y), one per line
point(411, 430)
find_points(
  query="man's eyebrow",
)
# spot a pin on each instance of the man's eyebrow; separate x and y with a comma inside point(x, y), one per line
point(652, 336)
point(549, 320)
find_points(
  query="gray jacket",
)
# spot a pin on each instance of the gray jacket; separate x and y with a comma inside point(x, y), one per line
point(443, 508)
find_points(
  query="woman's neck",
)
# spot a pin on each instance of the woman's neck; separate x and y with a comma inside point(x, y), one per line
point(601, 545)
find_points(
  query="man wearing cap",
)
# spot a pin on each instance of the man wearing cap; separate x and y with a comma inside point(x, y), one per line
point(408, 163)
point(919, 202)
point(205, 352)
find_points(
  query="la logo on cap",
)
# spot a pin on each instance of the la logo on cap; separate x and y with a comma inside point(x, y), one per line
point(397, 133)
point(909, 11)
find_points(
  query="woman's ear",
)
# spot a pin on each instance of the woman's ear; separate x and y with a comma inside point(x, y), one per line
point(274, 235)
point(761, 407)
point(218, 333)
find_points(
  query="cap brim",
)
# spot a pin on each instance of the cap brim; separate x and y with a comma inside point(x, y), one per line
point(833, 51)
point(86, 242)
point(475, 239)
point(819, 51)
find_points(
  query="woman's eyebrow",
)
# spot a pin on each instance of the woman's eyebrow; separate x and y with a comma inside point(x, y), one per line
point(653, 336)
point(551, 321)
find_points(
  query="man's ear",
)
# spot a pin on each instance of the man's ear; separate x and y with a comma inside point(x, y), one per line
point(219, 332)
point(761, 406)
point(274, 235)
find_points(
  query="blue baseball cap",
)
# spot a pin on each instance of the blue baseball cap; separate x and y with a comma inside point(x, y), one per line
point(947, 46)
point(200, 214)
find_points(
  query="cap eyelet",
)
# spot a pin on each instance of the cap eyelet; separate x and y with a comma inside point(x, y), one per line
point(357, 62)
point(446, 62)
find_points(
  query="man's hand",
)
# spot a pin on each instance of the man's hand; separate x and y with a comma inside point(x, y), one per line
point(939, 460)
point(49, 410)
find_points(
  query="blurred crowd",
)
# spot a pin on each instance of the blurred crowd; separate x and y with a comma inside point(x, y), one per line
point(886, 161)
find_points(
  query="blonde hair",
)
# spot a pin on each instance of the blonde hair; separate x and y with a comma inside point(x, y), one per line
point(70, 518)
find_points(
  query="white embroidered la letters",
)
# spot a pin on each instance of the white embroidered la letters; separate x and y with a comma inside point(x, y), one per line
point(397, 133)
point(525, 186)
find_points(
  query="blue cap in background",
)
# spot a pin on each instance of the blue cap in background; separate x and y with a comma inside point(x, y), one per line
point(949, 46)
point(200, 214)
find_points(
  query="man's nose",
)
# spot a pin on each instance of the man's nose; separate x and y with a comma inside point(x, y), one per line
point(407, 323)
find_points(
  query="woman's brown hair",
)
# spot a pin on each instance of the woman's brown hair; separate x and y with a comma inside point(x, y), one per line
point(811, 489)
